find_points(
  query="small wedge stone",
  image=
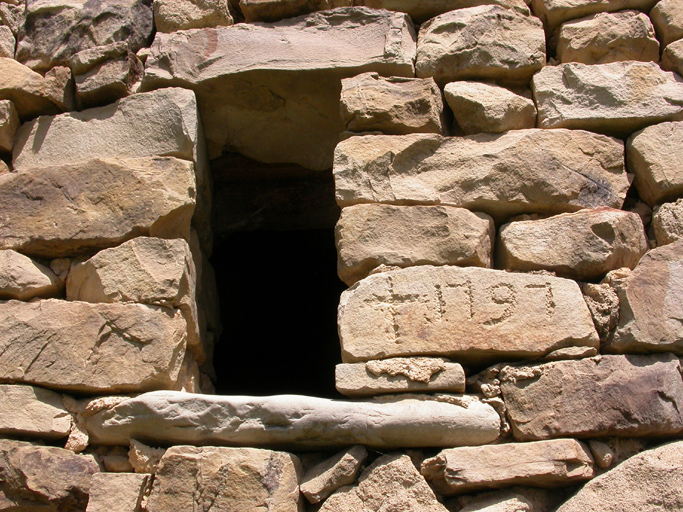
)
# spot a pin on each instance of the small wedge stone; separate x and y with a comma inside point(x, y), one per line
point(22, 278)
point(667, 222)
point(329, 475)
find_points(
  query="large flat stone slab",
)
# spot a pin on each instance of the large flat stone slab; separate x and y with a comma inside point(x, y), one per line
point(522, 171)
point(465, 313)
point(284, 108)
point(554, 12)
point(31, 411)
point(293, 421)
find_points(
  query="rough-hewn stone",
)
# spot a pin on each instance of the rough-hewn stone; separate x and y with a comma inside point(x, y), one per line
point(555, 12)
point(370, 235)
point(554, 463)
point(522, 171)
point(616, 98)
point(284, 108)
point(603, 303)
point(25, 88)
point(667, 222)
point(109, 81)
point(9, 122)
point(274, 10)
point(667, 17)
point(329, 475)
point(7, 42)
point(87, 59)
point(393, 105)
point(421, 10)
point(30, 411)
point(672, 58)
point(22, 278)
point(173, 15)
point(486, 41)
point(292, 420)
point(60, 89)
point(143, 458)
point(608, 37)
point(117, 492)
point(498, 501)
point(583, 245)
point(595, 397)
point(480, 107)
point(91, 348)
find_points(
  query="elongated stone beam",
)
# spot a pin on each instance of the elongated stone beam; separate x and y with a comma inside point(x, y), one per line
point(288, 421)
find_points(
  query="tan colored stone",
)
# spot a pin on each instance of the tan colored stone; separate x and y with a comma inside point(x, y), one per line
point(399, 375)
point(25, 88)
point(109, 81)
point(9, 122)
point(60, 88)
point(584, 245)
point(174, 15)
point(555, 12)
point(672, 58)
point(12, 15)
point(603, 303)
point(370, 235)
point(483, 42)
point(654, 156)
point(35, 412)
point(215, 478)
point(465, 313)
point(117, 492)
point(143, 458)
point(298, 421)
point(22, 278)
point(608, 37)
point(286, 108)
point(275, 10)
point(87, 59)
point(390, 483)
point(667, 222)
point(637, 396)
point(480, 107)
point(64, 210)
point(329, 475)
point(7, 42)
point(555, 463)
point(499, 501)
point(616, 98)
point(602, 453)
point(91, 348)
point(667, 17)
point(522, 171)
point(394, 105)
point(652, 480)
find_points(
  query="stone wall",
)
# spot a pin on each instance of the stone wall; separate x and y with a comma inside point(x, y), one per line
point(510, 178)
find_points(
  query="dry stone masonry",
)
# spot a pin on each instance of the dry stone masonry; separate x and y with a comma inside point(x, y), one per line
point(508, 179)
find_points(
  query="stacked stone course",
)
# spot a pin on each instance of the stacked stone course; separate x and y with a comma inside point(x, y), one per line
point(510, 178)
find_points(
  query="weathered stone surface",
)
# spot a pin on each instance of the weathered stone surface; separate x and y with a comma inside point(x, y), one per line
point(672, 58)
point(12, 15)
point(29, 411)
point(399, 375)
point(275, 10)
point(608, 37)
point(60, 88)
point(286, 108)
point(390, 483)
point(583, 245)
point(637, 396)
point(667, 222)
point(143, 458)
point(22, 278)
point(109, 81)
point(555, 12)
point(9, 122)
point(667, 17)
point(291, 420)
point(173, 15)
point(329, 475)
point(480, 107)
point(91, 348)
point(25, 88)
point(44, 478)
point(370, 235)
point(654, 156)
point(469, 313)
point(522, 171)
point(117, 492)
point(616, 98)
point(651, 304)
point(499, 501)
point(87, 59)
point(394, 105)
point(213, 478)
point(603, 303)
point(554, 463)
point(57, 29)
point(7, 42)
point(63, 210)
point(486, 41)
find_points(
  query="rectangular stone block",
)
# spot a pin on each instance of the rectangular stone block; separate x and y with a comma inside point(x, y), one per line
point(31, 411)
point(117, 492)
point(554, 12)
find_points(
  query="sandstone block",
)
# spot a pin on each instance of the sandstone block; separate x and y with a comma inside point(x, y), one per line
point(603, 302)
point(555, 463)
point(87, 59)
point(637, 396)
point(117, 492)
point(370, 235)
point(651, 304)
point(13, 15)
point(483, 42)
point(468, 313)
point(583, 245)
point(667, 222)
point(7, 42)
point(143, 458)
point(296, 421)
point(480, 107)
point(109, 81)
point(64, 210)
point(44, 477)
point(555, 12)
point(91, 348)
point(35, 412)
point(54, 29)
point(275, 10)
point(397, 105)
point(498, 501)
point(672, 58)
point(22, 278)
point(216, 478)
point(174, 15)
point(25, 88)
point(667, 17)
point(652, 480)
point(329, 475)
point(60, 88)
point(616, 98)
point(390, 483)
point(608, 37)
point(653, 155)
point(522, 171)
point(399, 375)
point(286, 108)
